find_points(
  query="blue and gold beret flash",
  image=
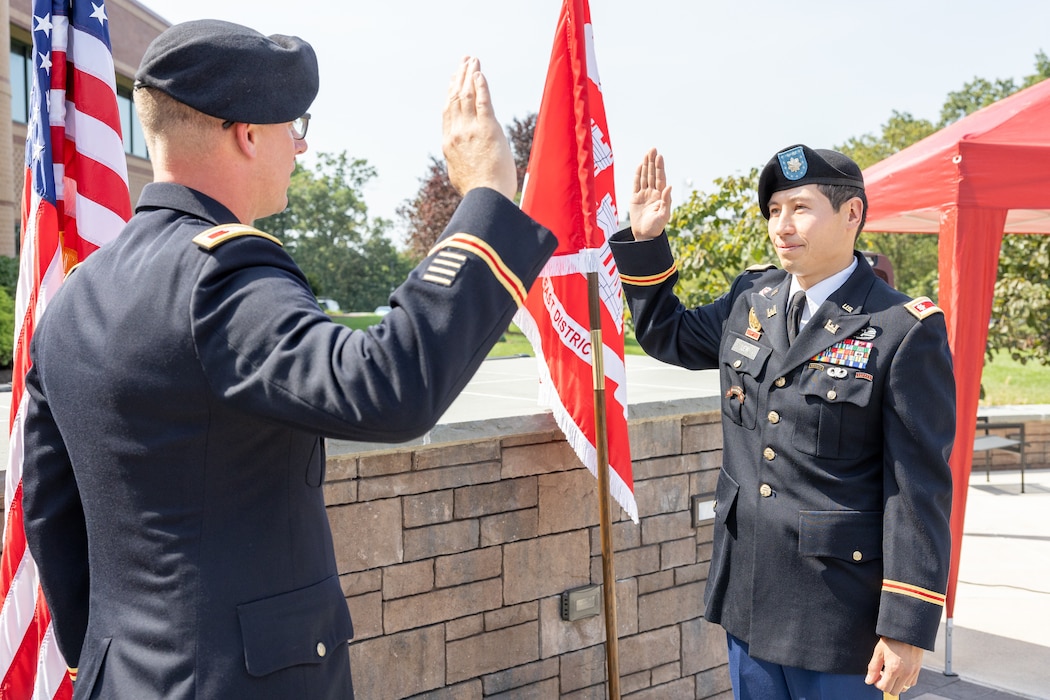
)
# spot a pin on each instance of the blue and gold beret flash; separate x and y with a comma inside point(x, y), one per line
point(232, 72)
point(801, 165)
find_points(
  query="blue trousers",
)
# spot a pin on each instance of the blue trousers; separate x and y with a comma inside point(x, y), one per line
point(754, 679)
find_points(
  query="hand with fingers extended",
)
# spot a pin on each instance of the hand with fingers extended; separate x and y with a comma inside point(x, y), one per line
point(476, 149)
point(650, 206)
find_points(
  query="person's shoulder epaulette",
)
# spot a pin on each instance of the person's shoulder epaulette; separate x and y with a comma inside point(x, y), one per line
point(921, 307)
point(217, 235)
point(760, 267)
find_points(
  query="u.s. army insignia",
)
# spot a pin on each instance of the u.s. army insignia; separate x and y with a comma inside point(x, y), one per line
point(754, 328)
point(867, 333)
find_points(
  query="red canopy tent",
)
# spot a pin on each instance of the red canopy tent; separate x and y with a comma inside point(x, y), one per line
point(984, 175)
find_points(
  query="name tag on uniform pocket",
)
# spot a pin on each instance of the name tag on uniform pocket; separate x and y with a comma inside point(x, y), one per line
point(748, 350)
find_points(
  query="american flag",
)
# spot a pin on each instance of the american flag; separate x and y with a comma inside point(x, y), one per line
point(569, 189)
point(75, 199)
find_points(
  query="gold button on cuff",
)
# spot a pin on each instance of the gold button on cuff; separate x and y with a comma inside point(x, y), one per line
point(832, 395)
point(737, 364)
point(765, 490)
point(321, 649)
point(774, 417)
point(769, 454)
point(780, 382)
point(857, 556)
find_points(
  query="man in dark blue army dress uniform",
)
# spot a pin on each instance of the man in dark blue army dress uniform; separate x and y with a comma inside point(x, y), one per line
point(184, 377)
point(831, 535)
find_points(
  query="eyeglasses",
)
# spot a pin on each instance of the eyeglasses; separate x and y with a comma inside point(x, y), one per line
point(300, 125)
point(297, 126)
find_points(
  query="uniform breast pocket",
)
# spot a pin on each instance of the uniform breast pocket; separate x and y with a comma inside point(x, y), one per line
point(742, 363)
point(835, 420)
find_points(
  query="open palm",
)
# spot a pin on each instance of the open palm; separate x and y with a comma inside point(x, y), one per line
point(650, 206)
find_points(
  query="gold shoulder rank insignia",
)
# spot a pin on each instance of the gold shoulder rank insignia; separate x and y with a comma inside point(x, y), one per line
point(761, 267)
point(217, 235)
point(921, 307)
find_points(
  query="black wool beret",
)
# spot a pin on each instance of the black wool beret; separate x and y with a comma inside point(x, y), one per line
point(232, 72)
point(801, 165)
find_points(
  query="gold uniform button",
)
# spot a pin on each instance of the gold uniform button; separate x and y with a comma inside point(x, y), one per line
point(321, 649)
point(769, 454)
point(774, 417)
point(857, 556)
point(765, 490)
point(780, 382)
point(737, 364)
point(832, 395)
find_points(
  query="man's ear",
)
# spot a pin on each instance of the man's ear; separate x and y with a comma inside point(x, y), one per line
point(246, 136)
point(856, 211)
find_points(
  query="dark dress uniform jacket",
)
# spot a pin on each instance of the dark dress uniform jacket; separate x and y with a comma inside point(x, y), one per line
point(831, 517)
point(174, 453)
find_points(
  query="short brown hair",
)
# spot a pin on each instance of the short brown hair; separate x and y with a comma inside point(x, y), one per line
point(163, 117)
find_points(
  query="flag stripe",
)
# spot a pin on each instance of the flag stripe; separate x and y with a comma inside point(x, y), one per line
point(570, 189)
point(75, 200)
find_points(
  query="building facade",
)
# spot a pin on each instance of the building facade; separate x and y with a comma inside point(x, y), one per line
point(132, 28)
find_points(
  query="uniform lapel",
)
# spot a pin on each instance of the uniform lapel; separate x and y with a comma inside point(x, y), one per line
point(770, 306)
point(838, 318)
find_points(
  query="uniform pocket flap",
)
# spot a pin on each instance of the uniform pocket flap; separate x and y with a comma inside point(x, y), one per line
point(299, 627)
point(745, 356)
point(849, 386)
point(850, 535)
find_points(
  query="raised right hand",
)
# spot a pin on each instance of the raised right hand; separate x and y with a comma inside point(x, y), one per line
point(650, 206)
point(475, 147)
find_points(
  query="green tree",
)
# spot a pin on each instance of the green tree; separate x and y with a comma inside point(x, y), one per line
point(428, 213)
point(715, 236)
point(1021, 307)
point(8, 283)
point(345, 254)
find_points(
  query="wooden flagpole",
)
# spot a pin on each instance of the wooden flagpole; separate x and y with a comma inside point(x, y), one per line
point(601, 446)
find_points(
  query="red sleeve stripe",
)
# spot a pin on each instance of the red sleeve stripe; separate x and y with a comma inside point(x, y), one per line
point(502, 273)
point(913, 591)
point(650, 280)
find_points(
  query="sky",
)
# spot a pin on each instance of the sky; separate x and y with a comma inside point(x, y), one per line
point(717, 87)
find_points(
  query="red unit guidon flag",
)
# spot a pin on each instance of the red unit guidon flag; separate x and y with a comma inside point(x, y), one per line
point(569, 188)
point(75, 199)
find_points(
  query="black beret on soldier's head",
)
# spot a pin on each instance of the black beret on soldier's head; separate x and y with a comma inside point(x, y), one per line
point(801, 165)
point(232, 72)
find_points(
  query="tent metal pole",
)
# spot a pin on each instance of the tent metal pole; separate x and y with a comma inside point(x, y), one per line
point(948, 648)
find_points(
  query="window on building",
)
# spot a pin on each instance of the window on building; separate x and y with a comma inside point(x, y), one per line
point(134, 140)
point(21, 63)
point(22, 80)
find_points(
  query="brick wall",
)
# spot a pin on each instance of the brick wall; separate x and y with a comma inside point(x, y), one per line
point(453, 559)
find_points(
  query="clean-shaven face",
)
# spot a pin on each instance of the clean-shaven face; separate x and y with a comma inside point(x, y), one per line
point(812, 240)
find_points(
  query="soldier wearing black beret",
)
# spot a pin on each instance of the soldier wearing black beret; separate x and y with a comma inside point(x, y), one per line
point(831, 534)
point(184, 378)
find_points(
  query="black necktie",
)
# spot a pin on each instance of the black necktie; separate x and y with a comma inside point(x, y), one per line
point(798, 302)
